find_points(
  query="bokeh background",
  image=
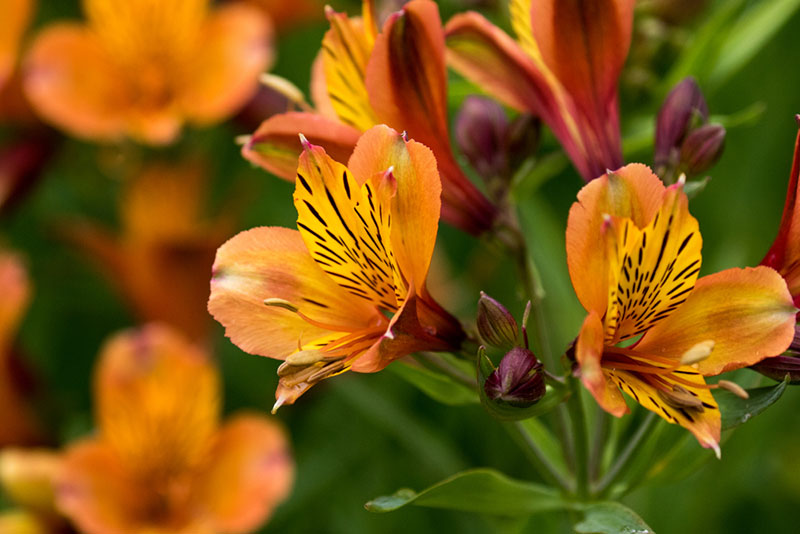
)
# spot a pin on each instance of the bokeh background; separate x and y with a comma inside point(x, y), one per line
point(360, 436)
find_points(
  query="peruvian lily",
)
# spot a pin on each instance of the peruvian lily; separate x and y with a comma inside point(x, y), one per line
point(362, 78)
point(563, 68)
point(654, 329)
point(161, 462)
point(141, 68)
point(17, 15)
point(161, 258)
point(347, 290)
point(19, 426)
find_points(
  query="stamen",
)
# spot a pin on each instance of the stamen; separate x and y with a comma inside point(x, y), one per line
point(698, 352)
point(734, 388)
point(681, 398)
point(281, 303)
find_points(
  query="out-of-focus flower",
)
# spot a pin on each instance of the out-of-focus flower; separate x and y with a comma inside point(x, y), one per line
point(362, 78)
point(160, 461)
point(518, 380)
point(161, 258)
point(142, 68)
point(19, 425)
point(633, 252)
point(21, 165)
point(347, 291)
point(17, 15)
point(26, 478)
point(563, 68)
point(287, 14)
point(784, 254)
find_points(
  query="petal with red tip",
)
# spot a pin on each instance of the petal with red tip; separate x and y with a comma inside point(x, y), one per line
point(589, 354)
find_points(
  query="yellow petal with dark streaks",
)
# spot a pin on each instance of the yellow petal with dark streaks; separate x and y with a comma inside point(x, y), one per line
point(347, 227)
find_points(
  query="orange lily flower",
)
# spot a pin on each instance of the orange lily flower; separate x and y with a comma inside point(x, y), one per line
point(563, 67)
point(17, 15)
point(364, 77)
point(18, 422)
point(161, 462)
point(347, 291)
point(642, 281)
point(784, 255)
point(143, 67)
point(161, 259)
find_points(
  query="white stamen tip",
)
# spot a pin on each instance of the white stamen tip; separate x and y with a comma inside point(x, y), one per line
point(734, 388)
point(278, 404)
point(698, 353)
point(682, 179)
point(717, 450)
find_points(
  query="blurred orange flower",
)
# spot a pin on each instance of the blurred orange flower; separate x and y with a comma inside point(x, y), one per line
point(363, 77)
point(16, 17)
point(18, 422)
point(143, 67)
point(161, 462)
point(162, 257)
point(347, 291)
point(26, 478)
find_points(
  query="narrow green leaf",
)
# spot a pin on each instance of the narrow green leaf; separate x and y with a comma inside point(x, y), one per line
point(483, 491)
point(436, 385)
point(547, 443)
point(736, 411)
point(611, 518)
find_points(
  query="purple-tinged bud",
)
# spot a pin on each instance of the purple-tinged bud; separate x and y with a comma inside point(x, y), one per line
point(524, 135)
point(518, 380)
point(778, 367)
point(702, 148)
point(496, 325)
point(682, 104)
point(481, 135)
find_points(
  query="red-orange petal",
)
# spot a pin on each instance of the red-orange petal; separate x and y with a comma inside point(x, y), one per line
point(589, 354)
point(632, 192)
point(250, 473)
point(16, 17)
point(73, 84)
point(275, 146)
point(747, 313)
point(236, 47)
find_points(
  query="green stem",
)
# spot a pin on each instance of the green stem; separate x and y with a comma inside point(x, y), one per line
point(601, 424)
point(579, 435)
point(538, 459)
point(627, 454)
point(448, 369)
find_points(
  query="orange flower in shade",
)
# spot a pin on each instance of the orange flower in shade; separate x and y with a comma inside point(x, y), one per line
point(161, 462)
point(563, 68)
point(362, 78)
point(784, 255)
point(347, 291)
point(655, 329)
point(162, 257)
point(142, 68)
point(17, 15)
point(18, 421)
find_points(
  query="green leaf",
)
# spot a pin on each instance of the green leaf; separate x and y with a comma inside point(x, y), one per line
point(611, 518)
point(736, 411)
point(505, 412)
point(484, 491)
point(438, 386)
point(547, 443)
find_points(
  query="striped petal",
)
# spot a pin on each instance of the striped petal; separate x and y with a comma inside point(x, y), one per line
point(747, 313)
point(589, 354)
point(632, 192)
point(275, 146)
point(274, 263)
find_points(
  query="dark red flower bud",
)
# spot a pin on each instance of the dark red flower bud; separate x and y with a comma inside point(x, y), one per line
point(778, 367)
point(524, 134)
point(518, 380)
point(496, 325)
point(702, 148)
point(481, 134)
point(680, 107)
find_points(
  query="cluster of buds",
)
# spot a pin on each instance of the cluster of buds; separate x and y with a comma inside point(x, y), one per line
point(494, 145)
point(685, 141)
point(519, 379)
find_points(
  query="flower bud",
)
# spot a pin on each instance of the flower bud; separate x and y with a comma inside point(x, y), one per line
point(518, 380)
point(674, 121)
point(481, 134)
point(702, 148)
point(496, 325)
point(778, 367)
point(524, 134)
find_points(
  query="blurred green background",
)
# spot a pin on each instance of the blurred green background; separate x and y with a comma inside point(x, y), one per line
point(360, 436)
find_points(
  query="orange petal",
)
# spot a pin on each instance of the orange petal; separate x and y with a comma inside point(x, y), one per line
point(407, 85)
point(95, 492)
point(157, 401)
point(416, 204)
point(747, 313)
point(236, 47)
point(16, 290)
point(265, 263)
point(319, 89)
point(589, 354)
point(584, 42)
point(251, 472)
point(16, 17)
point(72, 83)
point(275, 146)
point(632, 192)
point(784, 255)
